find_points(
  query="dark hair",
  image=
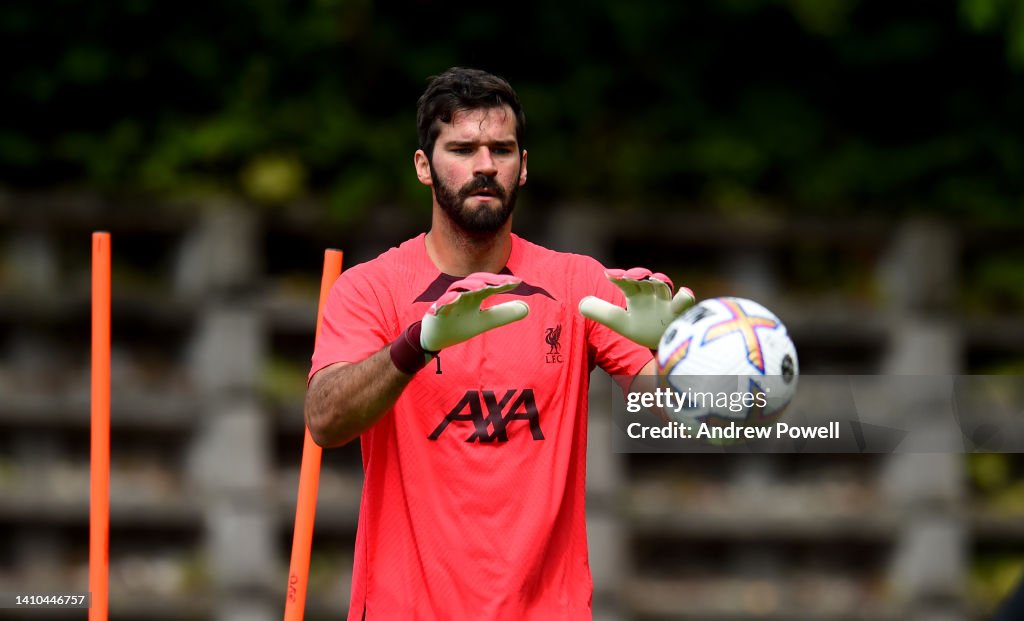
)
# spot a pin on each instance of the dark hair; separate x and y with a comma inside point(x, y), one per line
point(460, 89)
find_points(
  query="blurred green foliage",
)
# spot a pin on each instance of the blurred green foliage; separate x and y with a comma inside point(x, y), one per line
point(284, 380)
point(995, 481)
point(992, 578)
point(996, 284)
point(834, 106)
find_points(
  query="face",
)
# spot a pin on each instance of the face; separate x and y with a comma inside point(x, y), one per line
point(476, 169)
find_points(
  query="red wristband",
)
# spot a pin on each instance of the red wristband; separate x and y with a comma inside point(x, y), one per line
point(407, 353)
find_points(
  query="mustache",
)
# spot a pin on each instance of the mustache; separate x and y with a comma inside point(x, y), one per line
point(482, 182)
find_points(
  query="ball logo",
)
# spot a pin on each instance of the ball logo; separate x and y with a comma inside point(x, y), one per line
point(670, 335)
point(788, 372)
point(698, 313)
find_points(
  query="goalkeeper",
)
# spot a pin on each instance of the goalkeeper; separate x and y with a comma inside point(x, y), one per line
point(461, 360)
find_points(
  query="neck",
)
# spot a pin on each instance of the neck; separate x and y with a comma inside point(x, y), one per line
point(458, 253)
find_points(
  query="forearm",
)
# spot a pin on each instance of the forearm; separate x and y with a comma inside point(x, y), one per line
point(344, 400)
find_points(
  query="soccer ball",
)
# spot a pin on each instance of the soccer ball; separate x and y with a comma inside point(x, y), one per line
point(728, 361)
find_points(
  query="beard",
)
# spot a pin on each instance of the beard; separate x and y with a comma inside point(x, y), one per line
point(485, 219)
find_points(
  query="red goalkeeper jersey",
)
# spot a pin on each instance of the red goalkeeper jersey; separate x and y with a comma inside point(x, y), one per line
point(473, 501)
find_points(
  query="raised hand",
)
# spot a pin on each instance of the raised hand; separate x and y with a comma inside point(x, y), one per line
point(650, 305)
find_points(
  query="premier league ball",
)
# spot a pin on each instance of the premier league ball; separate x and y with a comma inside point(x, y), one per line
point(728, 361)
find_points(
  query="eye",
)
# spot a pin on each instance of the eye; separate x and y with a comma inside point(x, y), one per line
point(462, 150)
point(501, 151)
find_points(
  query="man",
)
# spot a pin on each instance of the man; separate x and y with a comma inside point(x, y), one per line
point(473, 502)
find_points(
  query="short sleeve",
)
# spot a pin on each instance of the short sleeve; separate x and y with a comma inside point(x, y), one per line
point(355, 324)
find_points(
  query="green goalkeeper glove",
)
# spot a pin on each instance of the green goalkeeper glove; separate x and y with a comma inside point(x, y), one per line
point(456, 317)
point(650, 306)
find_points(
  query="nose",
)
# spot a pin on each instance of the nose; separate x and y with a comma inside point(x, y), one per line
point(484, 164)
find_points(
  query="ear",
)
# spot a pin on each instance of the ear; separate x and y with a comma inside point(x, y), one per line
point(422, 165)
point(522, 170)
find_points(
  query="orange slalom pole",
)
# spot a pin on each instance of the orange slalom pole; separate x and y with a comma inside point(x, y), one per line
point(99, 470)
point(309, 478)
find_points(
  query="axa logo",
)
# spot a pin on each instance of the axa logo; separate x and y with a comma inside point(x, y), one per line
point(492, 417)
point(552, 337)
